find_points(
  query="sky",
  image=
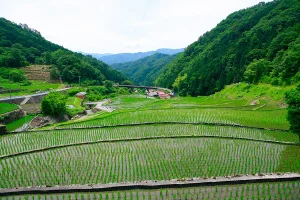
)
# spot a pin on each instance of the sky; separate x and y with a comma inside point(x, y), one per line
point(121, 26)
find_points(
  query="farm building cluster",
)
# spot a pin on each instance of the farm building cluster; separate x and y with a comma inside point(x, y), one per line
point(159, 94)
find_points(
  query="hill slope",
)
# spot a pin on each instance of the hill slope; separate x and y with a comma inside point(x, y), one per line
point(144, 71)
point(21, 46)
point(128, 57)
point(258, 44)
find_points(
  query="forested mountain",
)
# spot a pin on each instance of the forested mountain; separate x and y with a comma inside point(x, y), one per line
point(21, 46)
point(128, 57)
point(144, 71)
point(257, 44)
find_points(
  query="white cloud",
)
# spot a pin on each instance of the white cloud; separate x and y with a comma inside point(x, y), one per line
point(112, 26)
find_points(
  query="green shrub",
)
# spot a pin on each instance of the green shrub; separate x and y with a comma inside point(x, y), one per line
point(26, 83)
point(17, 75)
point(72, 112)
point(54, 104)
point(73, 91)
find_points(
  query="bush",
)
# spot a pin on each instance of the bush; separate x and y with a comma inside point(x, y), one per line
point(123, 91)
point(72, 112)
point(54, 74)
point(73, 91)
point(17, 75)
point(91, 82)
point(94, 97)
point(26, 83)
point(293, 99)
point(54, 104)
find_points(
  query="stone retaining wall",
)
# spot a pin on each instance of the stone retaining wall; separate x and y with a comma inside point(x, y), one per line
point(152, 184)
point(12, 116)
point(14, 100)
point(3, 130)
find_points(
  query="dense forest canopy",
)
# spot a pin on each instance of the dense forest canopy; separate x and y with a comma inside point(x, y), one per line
point(144, 71)
point(21, 46)
point(257, 44)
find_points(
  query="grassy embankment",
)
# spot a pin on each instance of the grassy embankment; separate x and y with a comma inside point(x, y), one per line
point(19, 123)
point(29, 89)
point(7, 107)
point(76, 103)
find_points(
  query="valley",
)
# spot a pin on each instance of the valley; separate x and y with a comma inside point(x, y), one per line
point(218, 119)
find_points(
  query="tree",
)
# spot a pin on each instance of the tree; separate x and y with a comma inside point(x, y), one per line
point(17, 75)
point(293, 99)
point(256, 69)
point(54, 104)
point(108, 84)
point(54, 74)
point(127, 82)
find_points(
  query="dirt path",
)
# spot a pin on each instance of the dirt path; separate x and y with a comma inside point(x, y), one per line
point(99, 105)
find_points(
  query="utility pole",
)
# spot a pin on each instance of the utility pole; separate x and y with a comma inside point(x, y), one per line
point(79, 79)
point(9, 88)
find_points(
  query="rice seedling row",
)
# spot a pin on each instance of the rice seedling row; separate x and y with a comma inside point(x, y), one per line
point(15, 143)
point(162, 159)
point(275, 119)
point(277, 190)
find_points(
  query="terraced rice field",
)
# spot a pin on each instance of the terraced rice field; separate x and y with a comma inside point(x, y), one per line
point(27, 141)
point(163, 159)
point(284, 190)
point(84, 153)
point(275, 119)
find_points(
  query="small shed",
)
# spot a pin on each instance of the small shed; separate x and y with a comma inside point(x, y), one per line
point(81, 95)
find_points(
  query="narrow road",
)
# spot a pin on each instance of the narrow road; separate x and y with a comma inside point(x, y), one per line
point(32, 95)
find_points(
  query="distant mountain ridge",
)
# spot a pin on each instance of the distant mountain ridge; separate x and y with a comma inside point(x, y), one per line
point(128, 57)
point(145, 70)
point(95, 55)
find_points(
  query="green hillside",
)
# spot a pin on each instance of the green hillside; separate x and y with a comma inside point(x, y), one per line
point(257, 44)
point(144, 71)
point(21, 46)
